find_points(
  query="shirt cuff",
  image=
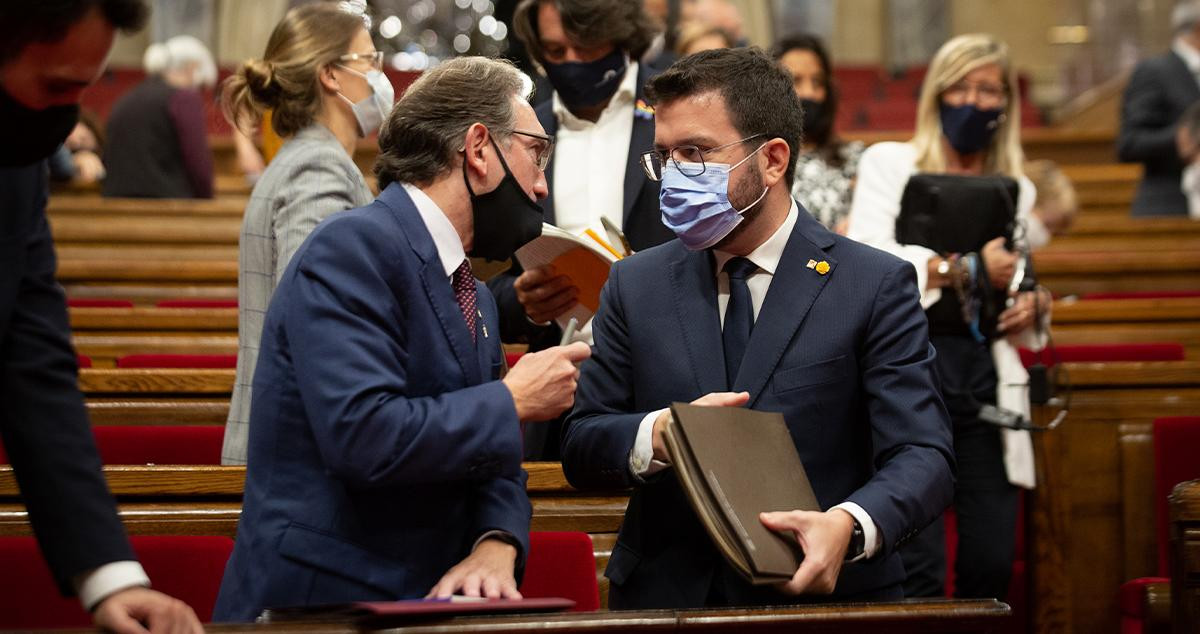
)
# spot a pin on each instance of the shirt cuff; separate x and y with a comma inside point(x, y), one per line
point(641, 459)
point(872, 540)
point(504, 536)
point(97, 584)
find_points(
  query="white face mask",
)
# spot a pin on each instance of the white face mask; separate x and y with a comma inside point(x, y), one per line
point(1036, 233)
point(371, 112)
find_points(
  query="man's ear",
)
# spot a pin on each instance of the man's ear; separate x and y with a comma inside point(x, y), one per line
point(777, 154)
point(328, 80)
point(475, 147)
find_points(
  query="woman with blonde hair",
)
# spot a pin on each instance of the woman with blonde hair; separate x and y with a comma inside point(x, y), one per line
point(321, 78)
point(968, 122)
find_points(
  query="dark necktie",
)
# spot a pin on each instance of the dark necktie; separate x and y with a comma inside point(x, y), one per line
point(739, 316)
point(464, 291)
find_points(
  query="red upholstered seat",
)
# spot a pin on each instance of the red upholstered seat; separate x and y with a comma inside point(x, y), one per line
point(86, 302)
point(511, 358)
point(155, 444)
point(197, 303)
point(196, 361)
point(1141, 295)
point(561, 564)
point(84, 360)
point(1091, 353)
point(1176, 445)
point(188, 568)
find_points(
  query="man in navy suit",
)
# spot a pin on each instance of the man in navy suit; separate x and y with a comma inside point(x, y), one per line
point(1159, 91)
point(589, 51)
point(384, 452)
point(757, 305)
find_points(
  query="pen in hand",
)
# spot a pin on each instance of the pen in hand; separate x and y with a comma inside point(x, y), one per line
point(569, 331)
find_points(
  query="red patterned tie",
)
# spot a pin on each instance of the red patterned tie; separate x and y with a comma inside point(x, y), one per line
point(464, 292)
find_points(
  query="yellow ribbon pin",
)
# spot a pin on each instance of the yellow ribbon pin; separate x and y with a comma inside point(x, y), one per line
point(822, 267)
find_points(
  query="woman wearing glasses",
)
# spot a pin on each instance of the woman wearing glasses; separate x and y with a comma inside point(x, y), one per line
point(322, 83)
point(968, 122)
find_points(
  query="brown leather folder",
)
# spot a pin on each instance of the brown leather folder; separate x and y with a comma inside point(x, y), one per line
point(733, 464)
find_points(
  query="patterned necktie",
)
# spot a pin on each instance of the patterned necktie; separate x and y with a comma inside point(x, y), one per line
point(739, 316)
point(464, 291)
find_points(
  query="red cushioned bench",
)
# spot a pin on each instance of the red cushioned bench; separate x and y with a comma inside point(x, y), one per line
point(195, 361)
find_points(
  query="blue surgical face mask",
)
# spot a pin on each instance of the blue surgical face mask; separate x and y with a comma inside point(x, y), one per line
point(968, 128)
point(371, 112)
point(697, 208)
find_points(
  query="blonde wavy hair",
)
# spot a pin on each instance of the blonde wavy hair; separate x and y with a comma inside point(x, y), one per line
point(953, 61)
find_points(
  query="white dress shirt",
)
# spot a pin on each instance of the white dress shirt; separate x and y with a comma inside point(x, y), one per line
point(766, 257)
point(96, 585)
point(589, 161)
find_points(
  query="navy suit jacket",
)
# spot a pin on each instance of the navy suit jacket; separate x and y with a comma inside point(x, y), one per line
point(43, 422)
point(844, 356)
point(381, 446)
point(1158, 92)
point(642, 220)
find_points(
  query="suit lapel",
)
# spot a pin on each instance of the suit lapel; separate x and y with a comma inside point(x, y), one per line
point(694, 287)
point(641, 139)
point(433, 280)
point(794, 288)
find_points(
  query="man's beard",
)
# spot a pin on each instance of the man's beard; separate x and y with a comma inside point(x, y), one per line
point(744, 192)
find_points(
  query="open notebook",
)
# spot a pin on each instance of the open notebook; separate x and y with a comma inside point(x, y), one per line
point(586, 259)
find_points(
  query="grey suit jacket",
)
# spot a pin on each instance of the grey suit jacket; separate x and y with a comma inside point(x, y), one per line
point(310, 178)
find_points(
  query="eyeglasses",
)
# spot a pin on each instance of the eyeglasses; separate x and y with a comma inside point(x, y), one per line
point(986, 95)
point(688, 159)
point(376, 58)
point(542, 147)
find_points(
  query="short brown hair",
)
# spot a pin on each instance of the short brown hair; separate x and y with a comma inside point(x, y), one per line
point(589, 22)
point(286, 79)
point(425, 130)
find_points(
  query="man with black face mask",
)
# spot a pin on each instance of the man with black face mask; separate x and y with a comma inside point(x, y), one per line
point(589, 51)
point(53, 50)
point(384, 457)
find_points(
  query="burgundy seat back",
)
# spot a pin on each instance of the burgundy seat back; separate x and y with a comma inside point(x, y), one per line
point(160, 444)
point(561, 564)
point(188, 568)
point(1098, 353)
point(1176, 459)
point(196, 361)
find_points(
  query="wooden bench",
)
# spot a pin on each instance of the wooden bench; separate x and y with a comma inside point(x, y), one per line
point(1069, 273)
point(224, 185)
point(1089, 520)
point(1129, 321)
point(1185, 556)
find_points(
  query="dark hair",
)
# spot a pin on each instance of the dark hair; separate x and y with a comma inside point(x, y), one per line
point(821, 133)
point(49, 20)
point(758, 93)
point(589, 22)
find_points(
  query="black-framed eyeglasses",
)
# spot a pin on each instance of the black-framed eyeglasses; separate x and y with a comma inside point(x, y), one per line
point(543, 147)
point(376, 58)
point(688, 159)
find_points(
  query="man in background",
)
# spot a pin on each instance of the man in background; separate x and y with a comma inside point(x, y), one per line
point(51, 52)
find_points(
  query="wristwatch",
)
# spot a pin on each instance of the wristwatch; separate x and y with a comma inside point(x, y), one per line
point(858, 542)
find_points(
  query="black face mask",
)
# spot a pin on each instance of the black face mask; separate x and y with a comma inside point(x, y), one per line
point(32, 135)
point(582, 84)
point(968, 128)
point(812, 111)
point(505, 218)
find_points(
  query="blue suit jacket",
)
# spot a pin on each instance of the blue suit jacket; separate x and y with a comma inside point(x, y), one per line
point(381, 447)
point(844, 356)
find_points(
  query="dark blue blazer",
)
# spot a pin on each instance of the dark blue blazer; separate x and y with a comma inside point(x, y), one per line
point(844, 356)
point(1159, 91)
point(43, 423)
point(381, 444)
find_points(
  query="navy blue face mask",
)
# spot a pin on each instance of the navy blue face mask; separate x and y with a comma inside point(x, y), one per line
point(582, 84)
point(969, 129)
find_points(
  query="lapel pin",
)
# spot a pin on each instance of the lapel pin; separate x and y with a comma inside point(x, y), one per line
point(822, 267)
point(812, 264)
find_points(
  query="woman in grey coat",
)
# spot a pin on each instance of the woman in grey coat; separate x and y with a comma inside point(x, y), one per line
point(321, 86)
